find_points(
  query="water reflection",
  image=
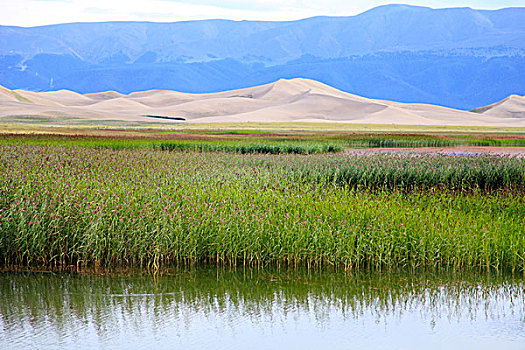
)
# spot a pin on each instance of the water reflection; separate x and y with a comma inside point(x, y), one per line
point(263, 310)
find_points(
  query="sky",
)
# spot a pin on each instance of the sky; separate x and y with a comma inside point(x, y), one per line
point(28, 13)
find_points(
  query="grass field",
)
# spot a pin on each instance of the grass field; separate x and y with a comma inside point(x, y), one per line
point(278, 139)
point(297, 127)
point(145, 207)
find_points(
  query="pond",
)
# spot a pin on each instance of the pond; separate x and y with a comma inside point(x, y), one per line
point(211, 308)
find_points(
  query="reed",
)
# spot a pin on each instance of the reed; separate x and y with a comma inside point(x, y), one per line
point(182, 143)
point(247, 147)
point(414, 172)
point(62, 206)
point(232, 141)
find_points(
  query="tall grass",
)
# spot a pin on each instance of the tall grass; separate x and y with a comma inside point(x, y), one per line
point(406, 142)
point(183, 143)
point(256, 142)
point(246, 147)
point(414, 172)
point(63, 206)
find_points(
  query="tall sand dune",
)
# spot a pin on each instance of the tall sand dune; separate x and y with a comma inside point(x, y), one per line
point(280, 101)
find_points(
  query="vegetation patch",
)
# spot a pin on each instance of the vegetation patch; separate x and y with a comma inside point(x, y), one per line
point(63, 206)
point(165, 117)
point(20, 97)
point(183, 142)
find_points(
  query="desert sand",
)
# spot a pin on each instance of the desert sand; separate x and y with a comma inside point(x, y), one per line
point(295, 100)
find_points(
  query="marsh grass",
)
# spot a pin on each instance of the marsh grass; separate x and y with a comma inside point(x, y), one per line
point(405, 172)
point(254, 141)
point(62, 206)
point(183, 143)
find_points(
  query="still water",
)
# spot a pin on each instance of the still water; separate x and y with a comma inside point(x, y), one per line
point(250, 309)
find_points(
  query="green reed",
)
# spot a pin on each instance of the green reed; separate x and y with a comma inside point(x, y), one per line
point(256, 142)
point(62, 206)
point(185, 143)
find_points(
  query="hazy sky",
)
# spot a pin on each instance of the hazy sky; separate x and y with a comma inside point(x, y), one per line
point(40, 12)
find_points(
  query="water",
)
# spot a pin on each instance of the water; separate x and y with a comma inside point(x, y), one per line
point(249, 309)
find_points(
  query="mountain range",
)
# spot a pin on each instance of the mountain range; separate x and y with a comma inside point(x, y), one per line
point(459, 57)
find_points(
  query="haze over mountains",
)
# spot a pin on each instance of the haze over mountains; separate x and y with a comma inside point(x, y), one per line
point(281, 101)
point(461, 58)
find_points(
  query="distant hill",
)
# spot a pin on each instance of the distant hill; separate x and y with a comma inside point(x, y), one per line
point(458, 57)
point(295, 100)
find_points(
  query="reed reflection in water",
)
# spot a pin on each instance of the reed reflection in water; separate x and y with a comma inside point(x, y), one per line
point(249, 309)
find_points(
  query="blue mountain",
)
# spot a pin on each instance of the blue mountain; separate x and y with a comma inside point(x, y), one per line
point(459, 57)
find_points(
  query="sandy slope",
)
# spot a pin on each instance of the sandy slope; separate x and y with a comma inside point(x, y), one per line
point(281, 101)
point(511, 107)
point(6, 95)
point(66, 98)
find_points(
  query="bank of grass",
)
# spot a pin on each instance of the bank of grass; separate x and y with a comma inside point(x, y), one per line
point(62, 206)
point(417, 141)
point(250, 141)
point(251, 147)
point(184, 142)
point(414, 173)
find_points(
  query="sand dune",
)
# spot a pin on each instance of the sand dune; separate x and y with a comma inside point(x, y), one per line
point(161, 98)
point(512, 107)
point(119, 104)
point(280, 101)
point(66, 98)
point(33, 98)
point(106, 95)
point(7, 95)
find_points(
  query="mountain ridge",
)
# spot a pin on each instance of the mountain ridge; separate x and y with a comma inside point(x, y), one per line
point(477, 56)
point(390, 27)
